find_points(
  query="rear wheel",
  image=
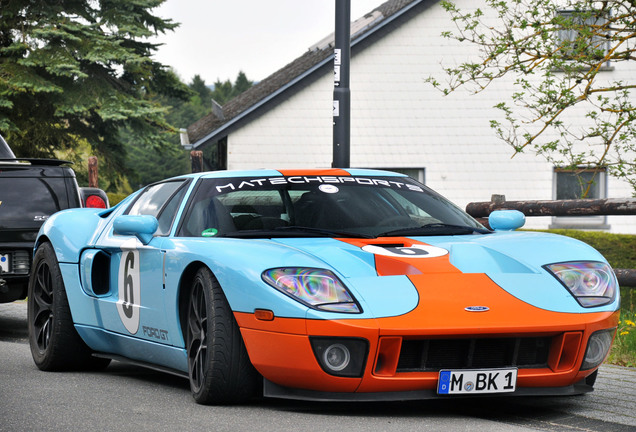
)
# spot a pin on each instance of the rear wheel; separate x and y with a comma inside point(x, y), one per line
point(218, 365)
point(55, 344)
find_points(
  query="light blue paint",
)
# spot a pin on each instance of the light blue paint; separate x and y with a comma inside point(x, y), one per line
point(475, 258)
point(255, 174)
point(351, 261)
point(371, 172)
point(546, 292)
point(506, 220)
point(514, 260)
point(141, 226)
point(135, 349)
point(239, 263)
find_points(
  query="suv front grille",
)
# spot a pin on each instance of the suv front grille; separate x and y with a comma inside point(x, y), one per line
point(21, 262)
point(475, 353)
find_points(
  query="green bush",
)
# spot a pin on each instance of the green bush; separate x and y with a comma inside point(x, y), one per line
point(618, 249)
point(114, 197)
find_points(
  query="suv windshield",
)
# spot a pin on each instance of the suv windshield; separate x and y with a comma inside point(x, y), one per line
point(331, 206)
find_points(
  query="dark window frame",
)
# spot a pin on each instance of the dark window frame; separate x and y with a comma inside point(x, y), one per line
point(597, 40)
point(181, 189)
point(580, 222)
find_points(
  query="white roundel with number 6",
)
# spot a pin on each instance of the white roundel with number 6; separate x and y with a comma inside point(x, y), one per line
point(129, 286)
point(413, 251)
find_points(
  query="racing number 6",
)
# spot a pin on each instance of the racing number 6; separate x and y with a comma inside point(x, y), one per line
point(129, 288)
point(129, 295)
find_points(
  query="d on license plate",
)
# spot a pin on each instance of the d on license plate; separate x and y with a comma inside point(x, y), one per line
point(477, 381)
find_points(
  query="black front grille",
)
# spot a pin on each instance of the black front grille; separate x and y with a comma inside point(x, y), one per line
point(476, 353)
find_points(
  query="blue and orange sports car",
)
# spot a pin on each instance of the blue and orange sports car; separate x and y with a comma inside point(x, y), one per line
point(319, 284)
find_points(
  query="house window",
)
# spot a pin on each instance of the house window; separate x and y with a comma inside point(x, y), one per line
point(215, 155)
point(584, 36)
point(577, 184)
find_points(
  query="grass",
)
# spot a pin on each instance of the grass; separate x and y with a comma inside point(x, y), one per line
point(114, 197)
point(624, 348)
point(620, 251)
point(623, 351)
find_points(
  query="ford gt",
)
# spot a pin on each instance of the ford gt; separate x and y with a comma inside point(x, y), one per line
point(333, 285)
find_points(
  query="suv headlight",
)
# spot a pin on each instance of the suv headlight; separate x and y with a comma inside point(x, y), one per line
point(316, 288)
point(591, 283)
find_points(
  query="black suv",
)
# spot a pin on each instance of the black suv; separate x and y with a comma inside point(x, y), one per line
point(31, 190)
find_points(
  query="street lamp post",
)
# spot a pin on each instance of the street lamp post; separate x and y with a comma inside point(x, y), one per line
point(341, 90)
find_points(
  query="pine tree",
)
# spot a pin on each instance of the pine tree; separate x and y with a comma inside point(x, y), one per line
point(241, 84)
point(76, 71)
point(199, 86)
point(223, 91)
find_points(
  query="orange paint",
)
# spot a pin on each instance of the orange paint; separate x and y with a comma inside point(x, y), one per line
point(286, 357)
point(277, 325)
point(289, 360)
point(314, 172)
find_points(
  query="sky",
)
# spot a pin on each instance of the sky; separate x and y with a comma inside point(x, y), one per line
point(219, 38)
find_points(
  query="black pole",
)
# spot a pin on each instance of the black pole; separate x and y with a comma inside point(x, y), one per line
point(341, 91)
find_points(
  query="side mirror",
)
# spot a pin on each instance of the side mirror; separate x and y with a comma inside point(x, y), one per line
point(506, 220)
point(143, 227)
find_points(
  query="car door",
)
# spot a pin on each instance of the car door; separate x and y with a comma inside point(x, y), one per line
point(135, 304)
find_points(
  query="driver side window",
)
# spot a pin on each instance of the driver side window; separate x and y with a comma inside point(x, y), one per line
point(161, 201)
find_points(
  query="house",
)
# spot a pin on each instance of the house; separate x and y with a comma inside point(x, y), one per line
point(398, 121)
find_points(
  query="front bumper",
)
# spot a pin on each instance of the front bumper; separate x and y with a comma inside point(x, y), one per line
point(281, 351)
point(273, 390)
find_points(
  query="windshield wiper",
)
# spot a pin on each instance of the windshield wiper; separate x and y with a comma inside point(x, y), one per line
point(322, 231)
point(435, 229)
point(293, 231)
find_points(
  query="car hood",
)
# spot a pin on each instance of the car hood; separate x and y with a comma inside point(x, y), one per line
point(511, 260)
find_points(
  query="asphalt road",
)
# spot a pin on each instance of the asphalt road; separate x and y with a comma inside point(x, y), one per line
point(128, 398)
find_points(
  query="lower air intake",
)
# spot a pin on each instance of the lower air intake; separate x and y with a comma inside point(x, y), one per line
point(424, 355)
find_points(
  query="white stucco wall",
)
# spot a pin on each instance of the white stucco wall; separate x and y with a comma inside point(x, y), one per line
point(399, 121)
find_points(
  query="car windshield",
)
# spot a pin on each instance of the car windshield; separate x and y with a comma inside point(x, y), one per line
point(321, 206)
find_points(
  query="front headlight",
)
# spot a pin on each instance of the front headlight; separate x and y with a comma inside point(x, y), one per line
point(316, 288)
point(591, 283)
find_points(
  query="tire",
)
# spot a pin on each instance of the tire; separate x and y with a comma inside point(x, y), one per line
point(591, 379)
point(13, 291)
point(219, 368)
point(55, 344)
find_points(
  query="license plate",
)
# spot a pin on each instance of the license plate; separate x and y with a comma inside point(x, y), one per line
point(477, 381)
point(5, 263)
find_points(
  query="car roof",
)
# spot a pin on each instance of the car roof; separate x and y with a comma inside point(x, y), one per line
point(337, 172)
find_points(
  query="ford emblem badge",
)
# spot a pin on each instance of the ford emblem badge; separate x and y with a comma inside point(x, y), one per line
point(477, 308)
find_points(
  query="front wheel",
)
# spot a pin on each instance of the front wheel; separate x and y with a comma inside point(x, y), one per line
point(219, 368)
point(55, 344)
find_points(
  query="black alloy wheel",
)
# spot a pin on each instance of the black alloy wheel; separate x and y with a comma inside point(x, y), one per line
point(219, 368)
point(55, 344)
